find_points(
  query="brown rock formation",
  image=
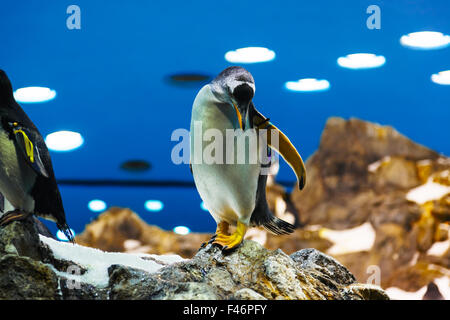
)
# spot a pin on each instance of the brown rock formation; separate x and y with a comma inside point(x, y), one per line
point(363, 172)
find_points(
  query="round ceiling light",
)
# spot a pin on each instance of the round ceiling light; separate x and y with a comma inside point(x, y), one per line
point(97, 205)
point(154, 205)
point(425, 40)
point(442, 77)
point(181, 230)
point(250, 55)
point(34, 94)
point(64, 141)
point(308, 85)
point(361, 61)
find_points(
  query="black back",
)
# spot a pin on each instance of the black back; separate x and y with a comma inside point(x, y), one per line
point(45, 190)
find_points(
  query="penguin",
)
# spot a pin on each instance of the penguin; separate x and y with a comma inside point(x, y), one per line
point(235, 192)
point(27, 181)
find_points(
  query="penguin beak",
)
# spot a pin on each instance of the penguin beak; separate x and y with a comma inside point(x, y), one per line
point(239, 115)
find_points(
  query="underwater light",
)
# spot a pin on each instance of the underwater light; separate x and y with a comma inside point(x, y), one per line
point(442, 77)
point(64, 140)
point(61, 236)
point(203, 206)
point(250, 55)
point(308, 85)
point(34, 94)
point(361, 61)
point(425, 40)
point(97, 205)
point(154, 205)
point(181, 230)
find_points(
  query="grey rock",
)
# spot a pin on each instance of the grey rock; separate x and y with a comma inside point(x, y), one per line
point(249, 272)
point(247, 294)
point(316, 261)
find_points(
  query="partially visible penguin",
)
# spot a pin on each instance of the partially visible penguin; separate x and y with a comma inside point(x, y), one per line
point(235, 193)
point(27, 181)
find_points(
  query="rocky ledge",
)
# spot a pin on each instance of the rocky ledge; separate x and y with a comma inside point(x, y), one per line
point(35, 266)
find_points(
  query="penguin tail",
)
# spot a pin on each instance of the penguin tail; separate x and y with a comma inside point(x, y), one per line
point(278, 226)
point(67, 232)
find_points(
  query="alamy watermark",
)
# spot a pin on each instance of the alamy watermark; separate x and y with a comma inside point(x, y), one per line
point(374, 20)
point(71, 282)
point(375, 275)
point(74, 20)
point(234, 146)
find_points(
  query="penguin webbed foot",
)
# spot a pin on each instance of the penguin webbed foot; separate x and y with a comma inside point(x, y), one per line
point(204, 244)
point(231, 242)
point(14, 215)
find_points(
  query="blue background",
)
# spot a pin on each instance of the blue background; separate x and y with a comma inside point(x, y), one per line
point(110, 79)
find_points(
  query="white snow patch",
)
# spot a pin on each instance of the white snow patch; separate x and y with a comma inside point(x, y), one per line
point(164, 258)
point(373, 167)
point(356, 239)
point(414, 259)
point(313, 227)
point(399, 294)
point(444, 161)
point(424, 162)
point(439, 248)
point(444, 286)
point(427, 192)
point(442, 283)
point(130, 244)
point(96, 262)
point(257, 235)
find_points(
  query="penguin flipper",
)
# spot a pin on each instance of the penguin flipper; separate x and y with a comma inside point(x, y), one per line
point(29, 149)
point(283, 146)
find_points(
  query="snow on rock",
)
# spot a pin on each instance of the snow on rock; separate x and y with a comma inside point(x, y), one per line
point(373, 167)
point(356, 239)
point(96, 262)
point(438, 249)
point(442, 283)
point(427, 192)
point(399, 294)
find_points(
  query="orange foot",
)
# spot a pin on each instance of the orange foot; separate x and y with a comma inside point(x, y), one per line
point(228, 242)
point(222, 228)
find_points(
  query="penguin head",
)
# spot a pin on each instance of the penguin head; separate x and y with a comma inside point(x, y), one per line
point(236, 87)
point(6, 92)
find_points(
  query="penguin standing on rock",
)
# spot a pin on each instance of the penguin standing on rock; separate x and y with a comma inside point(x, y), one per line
point(27, 181)
point(235, 193)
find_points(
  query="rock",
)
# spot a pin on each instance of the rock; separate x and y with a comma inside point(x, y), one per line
point(313, 259)
point(247, 294)
point(28, 244)
point(432, 292)
point(24, 278)
point(364, 172)
point(356, 159)
point(68, 271)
